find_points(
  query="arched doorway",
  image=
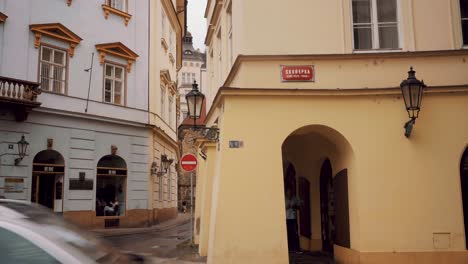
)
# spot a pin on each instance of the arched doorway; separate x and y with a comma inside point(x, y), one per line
point(47, 179)
point(464, 190)
point(327, 208)
point(321, 157)
point(111, 185)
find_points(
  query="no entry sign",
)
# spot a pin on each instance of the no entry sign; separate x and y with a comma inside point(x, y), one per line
point(188, 162)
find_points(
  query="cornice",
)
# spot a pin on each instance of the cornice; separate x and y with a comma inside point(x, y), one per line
point(108, 9)
point(224, 92)
point(57, 31)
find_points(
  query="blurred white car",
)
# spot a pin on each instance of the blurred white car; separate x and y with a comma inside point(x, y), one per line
point(32, 234)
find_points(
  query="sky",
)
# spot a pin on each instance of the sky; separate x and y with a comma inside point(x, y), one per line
point(196, 22)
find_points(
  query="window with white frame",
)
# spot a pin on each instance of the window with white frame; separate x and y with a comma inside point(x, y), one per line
point(163, 99)
point(118, 4)
point(169, 108)
point(229, 19)
point(464, 18)
point(163, 24)
point(114, 84)
point(169, 184)
point(220, 61)
point(375, 24)
point(53, 69)
point(193, 77)
point(184, 80)
point(161, 184)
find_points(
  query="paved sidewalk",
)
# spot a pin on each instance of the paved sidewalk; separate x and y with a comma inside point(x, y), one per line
point(109, 232)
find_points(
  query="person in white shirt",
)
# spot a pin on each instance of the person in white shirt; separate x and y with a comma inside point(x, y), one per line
point(292, 205)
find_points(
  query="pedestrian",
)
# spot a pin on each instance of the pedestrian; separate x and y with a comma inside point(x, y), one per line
point(292, 205)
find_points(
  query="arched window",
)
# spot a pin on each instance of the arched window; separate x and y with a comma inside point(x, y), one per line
point(111, 182)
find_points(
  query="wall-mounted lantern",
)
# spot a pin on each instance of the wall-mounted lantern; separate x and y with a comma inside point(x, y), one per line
point(412, 90)
point(163, 167)
point(195, 100)
point(22, 147)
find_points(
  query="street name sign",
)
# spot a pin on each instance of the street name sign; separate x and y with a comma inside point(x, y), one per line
point(188, 162)
point(297, 73)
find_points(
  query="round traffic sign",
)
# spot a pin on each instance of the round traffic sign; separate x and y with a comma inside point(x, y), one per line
point(188, 162)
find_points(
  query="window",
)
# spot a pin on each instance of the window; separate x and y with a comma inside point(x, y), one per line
point(163, 96)
point(169, 184)
point(375, 24)
point(53, 69)
point(229, 13)
point(114, 84)
point(161, 184)
point(118, 4)
point(191, 64)
point(163, 24)
point(193, 77)
point(17, 249)
point(184, 114)
point(464, 18)
point(169, 107)
point(184, 80)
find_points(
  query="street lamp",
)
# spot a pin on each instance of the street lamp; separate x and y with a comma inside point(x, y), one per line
point(164, 166)
point(22, 147)
point(195, 100)
point(412, 90)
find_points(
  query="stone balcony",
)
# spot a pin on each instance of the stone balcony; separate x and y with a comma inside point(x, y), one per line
point(18, 97)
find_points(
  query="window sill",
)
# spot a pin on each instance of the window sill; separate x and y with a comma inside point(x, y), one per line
point(107, 103)
point(164, 44)
point(107, 10)
point(51, 92)
point(377, 51)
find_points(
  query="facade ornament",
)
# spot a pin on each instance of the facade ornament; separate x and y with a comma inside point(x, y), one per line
point(114, 150)
point(50, 143)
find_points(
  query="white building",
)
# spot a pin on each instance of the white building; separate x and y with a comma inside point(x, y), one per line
point(89, 142)
point(192, 70)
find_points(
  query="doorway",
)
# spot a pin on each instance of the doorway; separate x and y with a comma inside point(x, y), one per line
point(47, 180)
point(327, 207)
point(464, 190)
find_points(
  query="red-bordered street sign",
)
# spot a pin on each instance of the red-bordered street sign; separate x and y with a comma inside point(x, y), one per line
point(188, 162)
point(297, 73)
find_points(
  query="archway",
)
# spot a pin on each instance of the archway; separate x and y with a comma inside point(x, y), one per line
point(111, 182)
point(321, 157)
point(47, 179)
point(464, 190)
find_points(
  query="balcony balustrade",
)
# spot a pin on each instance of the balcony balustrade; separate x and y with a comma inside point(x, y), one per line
point(18, 96)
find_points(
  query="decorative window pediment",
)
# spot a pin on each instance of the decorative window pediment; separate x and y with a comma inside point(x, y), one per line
point(166, 80)
point(57, 31)
point(3, 17)
point(119, 50)
point(109, 9)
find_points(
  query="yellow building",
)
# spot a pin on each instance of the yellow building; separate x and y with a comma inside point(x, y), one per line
point(167, 27)
point(308, 98)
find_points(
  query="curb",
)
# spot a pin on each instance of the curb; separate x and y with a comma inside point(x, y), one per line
point(149, 229)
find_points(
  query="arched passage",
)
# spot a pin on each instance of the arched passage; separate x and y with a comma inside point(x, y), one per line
point(111, 182)
point(320, 157)
point(47, 179)
point(464, 186)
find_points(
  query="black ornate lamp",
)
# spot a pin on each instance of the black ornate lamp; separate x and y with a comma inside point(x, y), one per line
point(22, 147)
point(195, 100)
point(412, 90)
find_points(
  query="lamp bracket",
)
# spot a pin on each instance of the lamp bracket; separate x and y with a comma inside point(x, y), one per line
point(409, 127)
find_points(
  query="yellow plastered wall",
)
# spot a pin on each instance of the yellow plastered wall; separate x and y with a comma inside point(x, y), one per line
point(401, 190)
point(210, 150)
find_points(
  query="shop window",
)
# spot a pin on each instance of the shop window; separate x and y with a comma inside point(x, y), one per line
point(53, 69)
point(114, 84)
point(111, 181)
point(375, 24)
point(464, 18)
